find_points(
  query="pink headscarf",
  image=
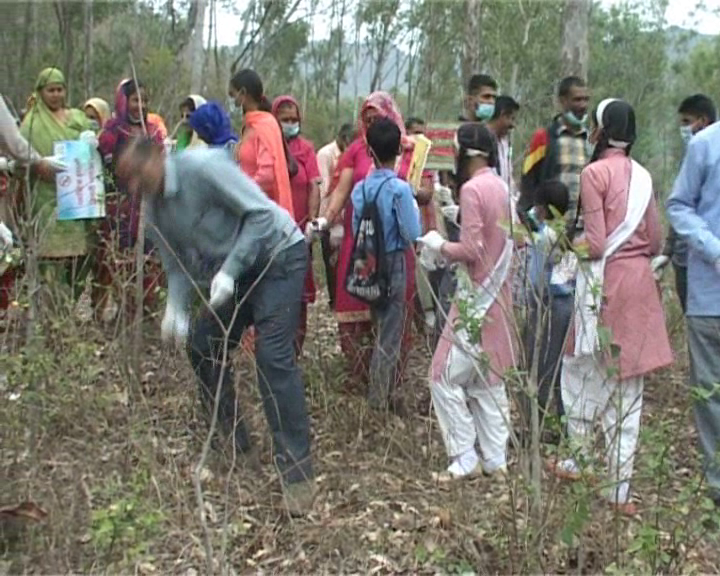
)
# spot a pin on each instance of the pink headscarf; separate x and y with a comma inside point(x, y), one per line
point(284, 101)
point(386, 107)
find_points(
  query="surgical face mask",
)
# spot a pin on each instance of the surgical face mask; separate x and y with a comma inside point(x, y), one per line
point(686, 133)
point(484, 111)
point(94, 125)
point(290, 130)
point(573, 120)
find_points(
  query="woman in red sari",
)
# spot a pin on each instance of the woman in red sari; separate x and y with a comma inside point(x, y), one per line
point(305, 189)
point(355, 164)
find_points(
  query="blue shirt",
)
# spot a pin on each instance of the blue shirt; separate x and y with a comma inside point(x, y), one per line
point(694, 212)
point(540, 262)
point(396, 207)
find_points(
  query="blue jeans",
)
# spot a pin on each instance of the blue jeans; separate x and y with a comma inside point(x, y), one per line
point(273, 307)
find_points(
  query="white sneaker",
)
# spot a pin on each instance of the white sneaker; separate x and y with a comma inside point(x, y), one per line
point(430, 319)
point(464, 466)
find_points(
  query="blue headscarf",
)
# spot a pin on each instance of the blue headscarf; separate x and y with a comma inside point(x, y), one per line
point(212, 124)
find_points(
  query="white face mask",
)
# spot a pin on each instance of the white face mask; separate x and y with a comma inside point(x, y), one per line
point(686, 133)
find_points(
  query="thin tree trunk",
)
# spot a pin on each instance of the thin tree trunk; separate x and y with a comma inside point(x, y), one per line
point(340, 63)
point(88, 55)
point(197, 49)
point(27, 29)
point(471, 57)
point(575, 52)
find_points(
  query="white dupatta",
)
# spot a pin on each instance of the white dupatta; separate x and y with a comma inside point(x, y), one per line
point(591, 275)
point(479, 299)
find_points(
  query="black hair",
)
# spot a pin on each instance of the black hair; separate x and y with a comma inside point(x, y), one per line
point(347, 132)
point(410, 122)
point(700, 106)
point(473, 136)
point(505, 105)
point(130, 88)
point(383, 138)
point(553, 193)
point(250, 82)
point(618, 124)
point(568, 83)
point(478, 81)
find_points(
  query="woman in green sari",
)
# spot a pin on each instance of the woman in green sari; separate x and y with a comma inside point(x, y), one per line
point(63, 247)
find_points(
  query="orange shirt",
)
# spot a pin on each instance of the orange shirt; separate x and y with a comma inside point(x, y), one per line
point(262, 157)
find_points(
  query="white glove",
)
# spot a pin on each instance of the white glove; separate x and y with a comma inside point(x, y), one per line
point(430, 260)
point(309, 232)
point(7, 165)
point(175, 326)
point(337, 233)
point(659, 262)
point(433, 241)
point(6, 236)
point(222, 289)
point(443, 195)
point(56, 163)
point(658, 265)
point(319, 224)
point(451, 212)
point(89, 137)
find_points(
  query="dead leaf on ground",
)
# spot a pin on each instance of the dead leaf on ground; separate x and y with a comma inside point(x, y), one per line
point(27, 510)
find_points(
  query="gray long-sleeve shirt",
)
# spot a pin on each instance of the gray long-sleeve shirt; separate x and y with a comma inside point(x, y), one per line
point(212, 217)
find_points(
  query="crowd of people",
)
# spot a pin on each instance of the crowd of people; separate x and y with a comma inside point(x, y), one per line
point(574, 249)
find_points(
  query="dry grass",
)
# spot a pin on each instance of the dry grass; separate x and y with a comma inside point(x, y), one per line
point(111, 460)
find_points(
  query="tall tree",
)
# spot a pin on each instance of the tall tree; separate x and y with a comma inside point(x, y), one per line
point(575, 52)
point(471, 58)
point(197, 50)
point(88, 53)
point(380, 19)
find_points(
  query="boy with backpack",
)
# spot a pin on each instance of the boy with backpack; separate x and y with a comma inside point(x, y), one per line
point(386, 221)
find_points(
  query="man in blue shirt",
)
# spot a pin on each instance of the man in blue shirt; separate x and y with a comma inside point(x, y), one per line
point(400, 217)
point(213, 226)
point(696, 113)
point(694, 212)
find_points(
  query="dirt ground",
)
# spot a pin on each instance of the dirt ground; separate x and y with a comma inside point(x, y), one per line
point(112, 460)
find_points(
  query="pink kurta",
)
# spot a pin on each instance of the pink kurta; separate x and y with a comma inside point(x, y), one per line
point(632, 308)
point(484, 205)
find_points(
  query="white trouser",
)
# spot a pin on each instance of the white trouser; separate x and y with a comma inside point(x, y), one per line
point(468, 409)
point(588, 393)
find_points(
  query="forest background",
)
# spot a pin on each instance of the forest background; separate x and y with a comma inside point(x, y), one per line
point(100, 430)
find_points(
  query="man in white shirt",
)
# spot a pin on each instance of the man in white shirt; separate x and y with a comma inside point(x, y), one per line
point(501, 125)
point(328, 157)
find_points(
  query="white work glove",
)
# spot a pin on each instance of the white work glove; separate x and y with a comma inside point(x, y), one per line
point(433, 241)
point(89, 137)
point(175, 326)
point(337, 233)
point(6, 236)
point(658, 265)
point(430, 260)
point(7, 165)
point(56, 163)
point(319, 224)
point(222, 289)
point(314, 227)
point(451, 212)
point(443, 195)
